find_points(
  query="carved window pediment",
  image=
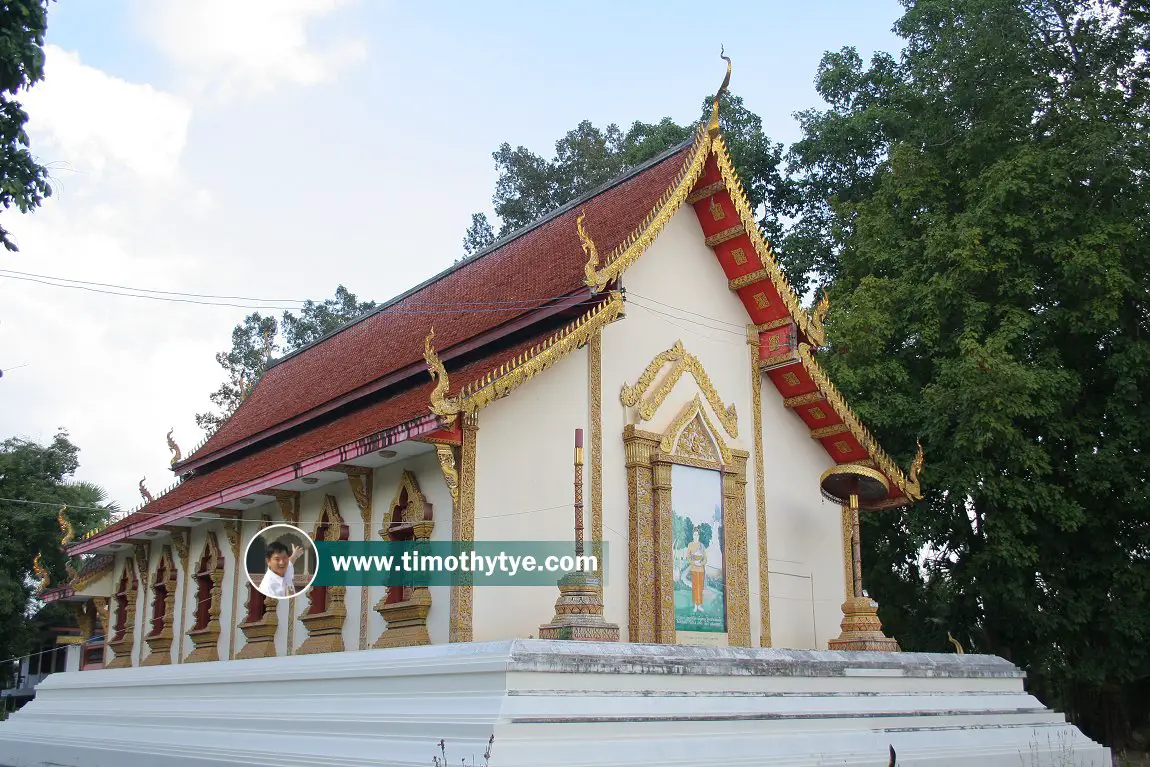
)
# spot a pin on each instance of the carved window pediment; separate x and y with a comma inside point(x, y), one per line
point(409, 516)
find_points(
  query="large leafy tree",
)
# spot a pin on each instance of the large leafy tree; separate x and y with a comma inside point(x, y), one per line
point(979, 209)
point(529, 186)
point(23, 181)
point(257, 339)
point(35, 481)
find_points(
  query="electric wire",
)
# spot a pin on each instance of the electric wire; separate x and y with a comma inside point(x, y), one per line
point(264, 303)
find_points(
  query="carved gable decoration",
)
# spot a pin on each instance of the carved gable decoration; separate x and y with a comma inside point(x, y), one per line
point(692, 436)
point(649, 397)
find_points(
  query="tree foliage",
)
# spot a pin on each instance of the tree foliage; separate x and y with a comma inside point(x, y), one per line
point(258, 338)
point(479, 234)
point(979, 211)
point(38, 480)
point(529, 186)
point(23, 181)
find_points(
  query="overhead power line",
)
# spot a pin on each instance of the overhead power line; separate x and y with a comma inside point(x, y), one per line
point(208, 299)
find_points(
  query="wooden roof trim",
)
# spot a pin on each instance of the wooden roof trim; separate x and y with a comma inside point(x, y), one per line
point(809, 325)
point(520, 368)
point(635, 244)
point(908, 486)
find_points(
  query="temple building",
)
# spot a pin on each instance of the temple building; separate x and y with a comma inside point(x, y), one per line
point(652, 314)
point(720, 473)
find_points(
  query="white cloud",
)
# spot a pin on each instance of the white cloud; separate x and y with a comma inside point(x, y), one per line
point(230, 48)
point(97, 121)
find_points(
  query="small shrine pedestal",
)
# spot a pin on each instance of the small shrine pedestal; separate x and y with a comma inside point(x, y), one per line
point(861, 628)
point(579, 611)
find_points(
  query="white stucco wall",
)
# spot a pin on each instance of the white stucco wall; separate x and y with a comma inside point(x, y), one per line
point(524, 488)
point(677, 291)
point(804, 532)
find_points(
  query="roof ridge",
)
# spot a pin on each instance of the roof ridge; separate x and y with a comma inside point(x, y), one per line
point(496, 245)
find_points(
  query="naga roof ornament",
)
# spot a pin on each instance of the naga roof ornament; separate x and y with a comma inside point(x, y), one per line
point(41, 572)
point(144, 491)
point(65, 526)
point(176, 455)
point(913, 489)
point(713, 125)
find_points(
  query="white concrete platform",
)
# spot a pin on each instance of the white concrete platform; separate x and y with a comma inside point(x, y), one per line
point(549, 704)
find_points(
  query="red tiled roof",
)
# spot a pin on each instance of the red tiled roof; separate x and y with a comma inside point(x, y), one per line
point(394, 411)
point(524, 273)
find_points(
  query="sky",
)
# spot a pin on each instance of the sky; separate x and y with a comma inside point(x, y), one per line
point(274, 149)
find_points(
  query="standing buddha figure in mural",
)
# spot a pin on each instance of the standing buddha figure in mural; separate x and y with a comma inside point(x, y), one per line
point(697, 558)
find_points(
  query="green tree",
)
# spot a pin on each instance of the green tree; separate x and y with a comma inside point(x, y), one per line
point(686, 532)
point(705, 534)
point(479, 235)
point(256, 340)
point(35, 480)
point(979, 210)
point(529, 186)
point(23, 181)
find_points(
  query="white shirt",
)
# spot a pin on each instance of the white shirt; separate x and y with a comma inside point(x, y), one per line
point(274, 585)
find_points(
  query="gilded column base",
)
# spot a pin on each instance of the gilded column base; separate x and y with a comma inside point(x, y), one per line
point(122, 654)
point(207, 642)
point(861, 628)
point(161, 650)
point(406, 621)
point(579, 611)
point(324, 633)
point(260, 636)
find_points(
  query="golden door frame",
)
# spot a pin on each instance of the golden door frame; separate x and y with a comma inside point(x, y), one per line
point(690, 440)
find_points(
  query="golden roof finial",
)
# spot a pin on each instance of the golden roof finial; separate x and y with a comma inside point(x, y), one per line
point(144, 491)
point(713, 127)
point(913, 488)
point(823, 307)
point(41, 573)
point(957, 647)
point(65, 527)
point(176, 455)
point(591, 269)
point(440, 403)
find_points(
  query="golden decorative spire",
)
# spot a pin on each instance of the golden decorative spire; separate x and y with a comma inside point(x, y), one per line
point(713, 127)
point(144, 491)
point(41, 573)
point(440, 404)
point(957, 647)
point(913, 489)
point(823, 307)
point(176, 454)
point(65, 527)
point(589, 249)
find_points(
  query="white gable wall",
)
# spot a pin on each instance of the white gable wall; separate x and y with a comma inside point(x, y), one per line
point(678, 291)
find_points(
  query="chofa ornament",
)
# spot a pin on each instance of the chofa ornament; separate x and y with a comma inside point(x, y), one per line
point(176, 455)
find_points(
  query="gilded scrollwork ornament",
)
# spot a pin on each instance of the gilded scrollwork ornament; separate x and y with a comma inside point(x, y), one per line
point(635, 244)
point(681, 362)
point(518, 370)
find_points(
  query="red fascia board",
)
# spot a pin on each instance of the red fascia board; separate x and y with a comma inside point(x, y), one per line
point(362, 446)
point(403, 373)
point(60, 592)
